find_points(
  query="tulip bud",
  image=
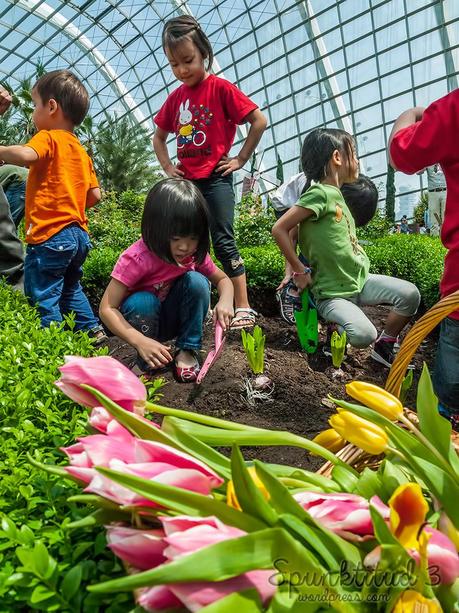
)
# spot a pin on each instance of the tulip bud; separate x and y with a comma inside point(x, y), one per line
point(411, 601)
point(330, 439)
point(376, 398)
point(360, 432)
point(231, 498)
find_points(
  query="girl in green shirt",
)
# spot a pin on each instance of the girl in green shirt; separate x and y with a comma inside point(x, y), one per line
point(339, 268)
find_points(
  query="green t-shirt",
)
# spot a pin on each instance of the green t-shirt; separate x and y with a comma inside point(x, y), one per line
point(329, 241)
point(12, 174)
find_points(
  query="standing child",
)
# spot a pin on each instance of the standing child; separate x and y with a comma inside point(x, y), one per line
point(159, 287)
point(422, 138)
point(203, 113)
point(61, 185)
point(339, 274)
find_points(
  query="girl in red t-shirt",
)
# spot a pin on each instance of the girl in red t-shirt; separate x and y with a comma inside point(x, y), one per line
point(203, 113)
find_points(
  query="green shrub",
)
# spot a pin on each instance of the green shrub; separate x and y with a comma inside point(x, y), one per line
point(43, 565)
point(264, 265)
point(115, 222)
point(253, 222)
point(378, 227)
point(97, 270)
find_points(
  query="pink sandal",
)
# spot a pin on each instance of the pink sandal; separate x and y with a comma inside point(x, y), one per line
point(187, 374)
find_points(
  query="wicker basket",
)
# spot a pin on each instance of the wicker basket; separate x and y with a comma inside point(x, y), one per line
point(353, 455)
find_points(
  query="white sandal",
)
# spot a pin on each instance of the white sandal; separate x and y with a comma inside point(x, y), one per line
point(246, 314)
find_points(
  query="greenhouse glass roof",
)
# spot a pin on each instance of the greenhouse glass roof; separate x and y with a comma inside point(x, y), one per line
point(354, 64)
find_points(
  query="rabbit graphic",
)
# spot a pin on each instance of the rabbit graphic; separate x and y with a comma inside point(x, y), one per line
point(187, 132)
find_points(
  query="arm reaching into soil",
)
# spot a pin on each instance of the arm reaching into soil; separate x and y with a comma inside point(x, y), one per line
point(153, 352)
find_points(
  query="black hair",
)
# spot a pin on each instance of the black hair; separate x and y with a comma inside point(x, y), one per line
point(177, 29)
point(318, 150)
point(175, 207)
point(67, 90)
point(362, 199)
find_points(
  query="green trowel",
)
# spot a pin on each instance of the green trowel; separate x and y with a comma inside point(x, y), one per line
point(307, 324)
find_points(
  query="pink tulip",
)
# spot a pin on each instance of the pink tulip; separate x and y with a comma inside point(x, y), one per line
point(348, 515)
point(143, 549)
point(184, 535)
point(105, 374)
point(100, 419)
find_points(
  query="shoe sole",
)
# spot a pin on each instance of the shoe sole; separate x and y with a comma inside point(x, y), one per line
point(378, 358)
point(283, 316)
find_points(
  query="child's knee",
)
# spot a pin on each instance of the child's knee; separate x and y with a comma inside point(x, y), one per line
point(408, 300)
point(362, 336)
point(141, 304)
point(196, 283)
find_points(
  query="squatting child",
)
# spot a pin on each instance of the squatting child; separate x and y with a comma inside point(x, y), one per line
point(61, 185)
point(339, 268)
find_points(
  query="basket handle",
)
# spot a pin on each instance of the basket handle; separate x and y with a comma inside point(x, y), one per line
point(415, 336)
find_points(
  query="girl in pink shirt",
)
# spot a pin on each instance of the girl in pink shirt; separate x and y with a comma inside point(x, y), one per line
point(203, 113)
point(160, 289)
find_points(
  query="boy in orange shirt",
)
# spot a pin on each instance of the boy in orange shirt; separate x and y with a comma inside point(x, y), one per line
point(62, 184)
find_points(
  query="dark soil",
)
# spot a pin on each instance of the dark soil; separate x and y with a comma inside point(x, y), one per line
point(301, 384)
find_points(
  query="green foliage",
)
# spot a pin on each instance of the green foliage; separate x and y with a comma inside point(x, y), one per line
point(253, 222)
point(407, 384)
point(124, 156)
point(378, 227)
point(421, 207)
point(264, 265)
point(390, 194)
point(338, 347)
point(43, 565)
point(254, 346)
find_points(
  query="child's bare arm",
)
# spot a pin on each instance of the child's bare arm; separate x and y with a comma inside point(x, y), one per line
point(407, 118)
point(93, 197)
point(160, 147)
point(257, 126)
point(223, 310)
point(20, 155)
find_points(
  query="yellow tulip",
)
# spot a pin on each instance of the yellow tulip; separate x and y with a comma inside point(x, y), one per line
point(376, 398)
point(231, 498)
point(408, 510)
point(414, 602)
point(330, 439)
point(366, 435)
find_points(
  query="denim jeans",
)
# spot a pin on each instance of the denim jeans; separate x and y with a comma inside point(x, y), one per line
point(53, 270)
point(11, 250)
point(180, 315)
point(446, 372)
point(219, 194)
point(15, 193)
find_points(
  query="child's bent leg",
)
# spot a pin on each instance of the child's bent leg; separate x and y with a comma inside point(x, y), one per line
point(73, 297)
point(45, 267)
point(142, 311)
point(360, 332)
point(446, 372)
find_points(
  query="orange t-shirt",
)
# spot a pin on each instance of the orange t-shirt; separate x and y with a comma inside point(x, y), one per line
point(57, 185)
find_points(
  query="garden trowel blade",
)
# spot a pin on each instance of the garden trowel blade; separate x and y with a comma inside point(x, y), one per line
point(214, 354)
point(307, 324)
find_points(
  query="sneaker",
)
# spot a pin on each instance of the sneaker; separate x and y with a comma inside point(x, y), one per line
point(289, 302)
point(384, 352)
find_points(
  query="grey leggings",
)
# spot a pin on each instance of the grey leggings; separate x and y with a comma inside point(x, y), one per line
point(402, 295)
point(219, 194)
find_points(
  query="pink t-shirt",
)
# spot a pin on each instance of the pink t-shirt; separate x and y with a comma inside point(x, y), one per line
point(143, 271)
point(204, 119)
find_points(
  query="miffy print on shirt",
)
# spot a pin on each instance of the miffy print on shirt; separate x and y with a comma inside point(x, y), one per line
point(193, 125)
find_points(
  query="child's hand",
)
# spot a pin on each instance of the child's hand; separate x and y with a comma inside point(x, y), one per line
point(228, 165)
point(173, 171)
point(153, 352)
point(284, 282)
point(224, 313)
point(302, 281)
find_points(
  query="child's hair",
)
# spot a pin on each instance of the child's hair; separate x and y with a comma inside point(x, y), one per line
point(175, 207)
point(67, 90)
point(318, 149)
point(362, 199)
point(177, 29)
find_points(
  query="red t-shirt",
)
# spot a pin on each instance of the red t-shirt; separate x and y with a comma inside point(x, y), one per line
point(204, 120)
point(433, 140)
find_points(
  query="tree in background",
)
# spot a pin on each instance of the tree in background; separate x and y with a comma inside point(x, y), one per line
point(421, 208)
point(124, 156)
point(390, 194)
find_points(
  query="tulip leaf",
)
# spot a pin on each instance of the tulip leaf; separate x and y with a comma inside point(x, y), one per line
point(369, 484)
point(272, 548)
point(346, 480)
point(330, 547)
point(307, 477)
point(227, 438)
point(183, 501)
point(391, 477)
point(246, 602)
point(250, 498)
point(431, 423)
point(192, 445)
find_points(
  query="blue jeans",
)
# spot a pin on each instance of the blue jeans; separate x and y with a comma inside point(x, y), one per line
point(446, 372)
point(15, 194)
point(180, 315)
point(53, 270)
